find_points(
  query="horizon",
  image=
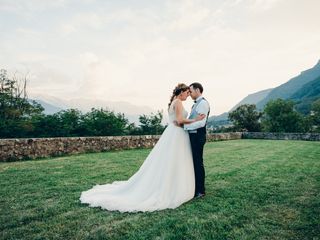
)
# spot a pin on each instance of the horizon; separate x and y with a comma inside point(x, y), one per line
point(137, 51)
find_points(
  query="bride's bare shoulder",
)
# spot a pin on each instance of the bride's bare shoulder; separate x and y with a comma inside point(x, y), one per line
point(177, 101)
point(176, 105)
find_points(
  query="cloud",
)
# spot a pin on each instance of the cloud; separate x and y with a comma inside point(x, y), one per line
point(210, 52)
point(265, 4)
point(26, 8)
point(261, 5)
point(88, 21)
point(186, 15)
point(49, 81)
point(139, 52)
point(102, 77)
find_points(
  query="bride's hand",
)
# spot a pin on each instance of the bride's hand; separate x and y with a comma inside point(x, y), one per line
point(200, 117)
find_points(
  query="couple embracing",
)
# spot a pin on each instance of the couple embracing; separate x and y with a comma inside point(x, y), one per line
point(173, 172)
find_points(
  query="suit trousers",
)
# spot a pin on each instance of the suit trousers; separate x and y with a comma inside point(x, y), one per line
point(198, 140)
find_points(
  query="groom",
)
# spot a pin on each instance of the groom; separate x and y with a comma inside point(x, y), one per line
point(197, 134)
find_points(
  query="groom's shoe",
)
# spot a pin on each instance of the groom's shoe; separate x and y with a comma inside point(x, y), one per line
point(199, 195)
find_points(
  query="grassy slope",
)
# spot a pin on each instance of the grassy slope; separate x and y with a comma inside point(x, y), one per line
point(255, 189)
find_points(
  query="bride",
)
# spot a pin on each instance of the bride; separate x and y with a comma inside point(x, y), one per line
point(165, 179)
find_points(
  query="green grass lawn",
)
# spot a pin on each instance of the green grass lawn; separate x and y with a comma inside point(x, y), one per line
point(256, 189)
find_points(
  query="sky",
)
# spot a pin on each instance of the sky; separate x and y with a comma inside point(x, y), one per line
point(138, 51)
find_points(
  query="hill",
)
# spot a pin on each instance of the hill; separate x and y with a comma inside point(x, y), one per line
point(286, 90)
point(306, 95)
point(303, 89)
point(253, 98)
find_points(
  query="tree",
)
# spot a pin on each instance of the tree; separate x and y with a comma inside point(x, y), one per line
point(20, 117)
point(16, 112)
point(66, 123)
point(246, 118)
point(71, 122)
point(100, 122)
point(280, 116)
point(47, 126)
point(315, 115)
point(151, 125)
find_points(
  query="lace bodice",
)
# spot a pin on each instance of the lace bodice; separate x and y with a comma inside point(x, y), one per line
point(172, 113)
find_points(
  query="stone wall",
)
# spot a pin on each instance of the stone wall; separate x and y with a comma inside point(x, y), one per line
point(32, 148)
point(224, 136)
point(282, 136)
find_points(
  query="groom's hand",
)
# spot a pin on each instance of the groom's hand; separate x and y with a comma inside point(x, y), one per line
point(177, 124)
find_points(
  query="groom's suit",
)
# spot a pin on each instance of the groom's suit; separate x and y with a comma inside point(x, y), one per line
point(197, 134)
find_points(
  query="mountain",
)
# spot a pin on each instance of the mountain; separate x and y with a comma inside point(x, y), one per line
point(48, 108)
point(54, 104)
point(309, 90)
point(303, 89)
point(54, 101)
point(306, 95)
point(221, 117)
point(219, 120)
point(253, 98)
point(85, 105)
point(286, 90)
point(132, 112)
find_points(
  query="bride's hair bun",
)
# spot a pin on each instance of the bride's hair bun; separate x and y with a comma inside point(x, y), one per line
point(181, 87)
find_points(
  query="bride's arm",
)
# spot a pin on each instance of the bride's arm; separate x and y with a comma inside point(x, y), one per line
point(179, 114)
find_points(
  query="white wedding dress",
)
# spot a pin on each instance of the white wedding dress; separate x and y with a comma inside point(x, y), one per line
point(164, 180)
